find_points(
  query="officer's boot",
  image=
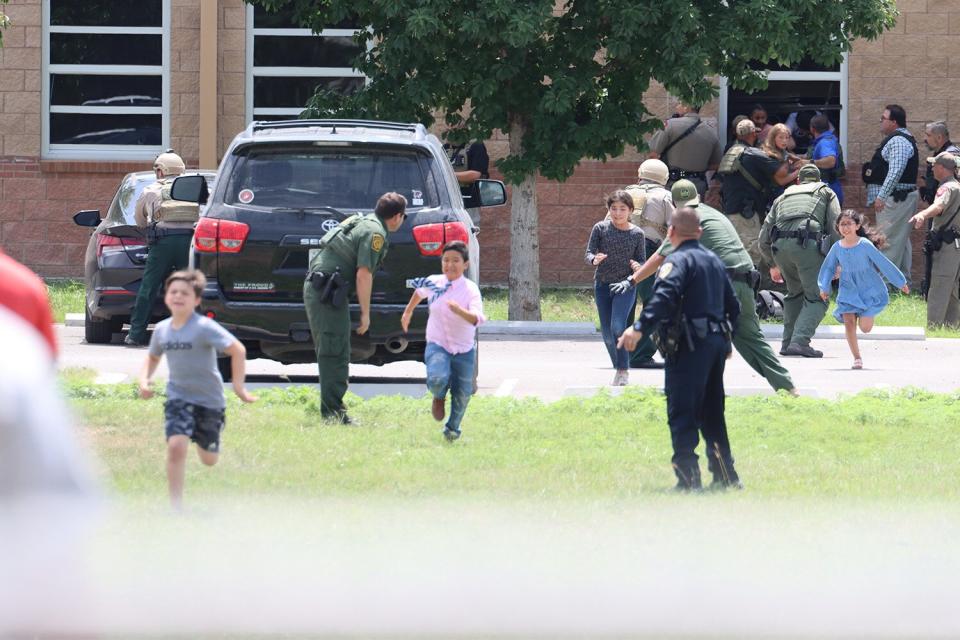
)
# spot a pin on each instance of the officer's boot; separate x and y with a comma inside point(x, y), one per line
point(721, 466)
point(688, 477)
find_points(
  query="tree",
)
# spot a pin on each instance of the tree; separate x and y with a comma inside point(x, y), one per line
point(4, 21)
point(565, 80)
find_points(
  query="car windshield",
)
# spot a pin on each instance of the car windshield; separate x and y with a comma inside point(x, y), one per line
point(345, 179)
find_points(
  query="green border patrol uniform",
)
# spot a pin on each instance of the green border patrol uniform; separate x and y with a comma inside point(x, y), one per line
point(720, 237)
point(800, 222)
point(359, 241)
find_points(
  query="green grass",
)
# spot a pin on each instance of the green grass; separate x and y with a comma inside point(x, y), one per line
point(891, 447)
point(556, 305)
point(66, 296)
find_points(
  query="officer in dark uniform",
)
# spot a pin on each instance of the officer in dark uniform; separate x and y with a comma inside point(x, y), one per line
point(692, 311)
point(347, 258)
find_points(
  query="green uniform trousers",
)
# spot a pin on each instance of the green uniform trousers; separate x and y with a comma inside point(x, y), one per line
point(166, 255)
point(802, 307)
point(330, 328)
point(645, 348)
point(749, 342)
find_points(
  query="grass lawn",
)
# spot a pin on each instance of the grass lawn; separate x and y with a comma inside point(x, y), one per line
point(66, 296)
point(878, 446)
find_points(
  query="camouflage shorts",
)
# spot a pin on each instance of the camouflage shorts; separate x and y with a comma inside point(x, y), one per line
point(201, 424)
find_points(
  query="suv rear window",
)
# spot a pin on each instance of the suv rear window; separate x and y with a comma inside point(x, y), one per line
point(342, 178)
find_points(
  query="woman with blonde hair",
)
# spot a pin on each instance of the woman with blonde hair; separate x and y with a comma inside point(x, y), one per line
point(776, 146)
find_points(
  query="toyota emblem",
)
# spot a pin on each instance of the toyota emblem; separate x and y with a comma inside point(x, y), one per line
point(329, 224)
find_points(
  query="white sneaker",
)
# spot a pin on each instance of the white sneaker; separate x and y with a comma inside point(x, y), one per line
point(621, 378)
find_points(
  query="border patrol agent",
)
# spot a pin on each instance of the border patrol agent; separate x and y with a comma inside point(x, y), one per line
point(348, 257)
point(720, 236)
point(689, 147)
point(692, 310)
point(169, 224)
point(653, 207)
point(797, 234)
point(943, 243)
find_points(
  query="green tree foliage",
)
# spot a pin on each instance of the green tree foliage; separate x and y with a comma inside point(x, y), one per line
point(568, 78)
point(4, 21)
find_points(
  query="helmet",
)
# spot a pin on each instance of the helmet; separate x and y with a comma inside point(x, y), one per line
point(170, 163)
point(654, 170)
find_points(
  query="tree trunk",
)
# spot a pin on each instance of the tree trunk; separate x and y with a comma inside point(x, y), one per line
point(524, 238)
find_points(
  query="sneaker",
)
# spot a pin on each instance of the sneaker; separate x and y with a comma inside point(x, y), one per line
point(437, 409)
point(649, 363)
point(803, 350)
point(857, 363)
point(621, 378)
point(450, 434)
point(133, 342)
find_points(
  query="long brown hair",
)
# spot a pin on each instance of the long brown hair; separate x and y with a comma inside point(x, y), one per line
point(770, 144)
point(878, 239)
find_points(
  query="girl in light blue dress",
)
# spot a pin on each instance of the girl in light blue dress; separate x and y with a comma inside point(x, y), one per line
point(863, 293)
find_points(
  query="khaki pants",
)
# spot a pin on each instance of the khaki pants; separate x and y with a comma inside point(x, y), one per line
point(749, 232)
point(893, 222)
point(943, 299)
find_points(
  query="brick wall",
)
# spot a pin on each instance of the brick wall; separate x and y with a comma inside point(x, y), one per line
point(231, 68)
point(20, 80)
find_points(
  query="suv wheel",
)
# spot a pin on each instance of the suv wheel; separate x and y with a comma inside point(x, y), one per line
point(97, 331)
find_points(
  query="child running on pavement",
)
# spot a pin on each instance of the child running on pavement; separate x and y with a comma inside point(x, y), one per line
point(195, 406)
point(456, 310)
point(862, 293)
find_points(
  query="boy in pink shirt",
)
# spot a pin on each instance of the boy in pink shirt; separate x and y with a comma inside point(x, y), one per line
point(456, 310)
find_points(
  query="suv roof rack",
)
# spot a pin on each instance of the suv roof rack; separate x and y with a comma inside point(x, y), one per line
point(418, 129)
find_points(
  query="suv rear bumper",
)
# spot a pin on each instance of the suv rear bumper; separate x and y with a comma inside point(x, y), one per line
point(281, 331)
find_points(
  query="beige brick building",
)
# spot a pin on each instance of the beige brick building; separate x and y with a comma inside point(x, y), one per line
point(92, 90)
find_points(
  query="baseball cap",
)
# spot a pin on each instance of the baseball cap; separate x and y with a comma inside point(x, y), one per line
point(745, 127)
point(809, 173)
point(170, 163)
point(685, 194)
point(945, 158)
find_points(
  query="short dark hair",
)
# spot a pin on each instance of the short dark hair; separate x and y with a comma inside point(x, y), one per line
point(460, 247)
point(897, 114)
point(621, 196)
point(389, 205)
point(820, 123)
point(192, 277)
point(757, 107)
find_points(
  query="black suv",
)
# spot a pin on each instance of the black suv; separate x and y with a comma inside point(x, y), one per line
point(281, 186)
point(114, 261)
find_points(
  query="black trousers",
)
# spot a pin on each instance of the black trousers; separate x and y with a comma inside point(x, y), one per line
point(695, 400)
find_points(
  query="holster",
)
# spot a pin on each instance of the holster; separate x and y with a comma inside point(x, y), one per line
point(900, 196)
point(331, 287)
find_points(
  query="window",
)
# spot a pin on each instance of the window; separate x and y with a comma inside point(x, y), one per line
point(278, 91)
point(802, 91)
point(105, 78)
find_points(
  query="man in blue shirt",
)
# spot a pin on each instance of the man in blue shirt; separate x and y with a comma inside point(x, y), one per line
point(825, 153)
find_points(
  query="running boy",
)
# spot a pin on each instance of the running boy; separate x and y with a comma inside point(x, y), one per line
point(195, 406)
point(456, 310)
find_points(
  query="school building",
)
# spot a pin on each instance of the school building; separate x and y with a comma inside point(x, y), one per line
point(92, 90)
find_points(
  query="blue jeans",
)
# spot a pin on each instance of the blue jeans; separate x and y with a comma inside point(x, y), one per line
point(453, 372)
point(614, 311)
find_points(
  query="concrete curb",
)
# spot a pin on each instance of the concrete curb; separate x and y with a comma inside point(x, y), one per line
point(529, 330)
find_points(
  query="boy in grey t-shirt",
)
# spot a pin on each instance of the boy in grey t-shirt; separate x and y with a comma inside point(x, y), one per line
point(195, 405)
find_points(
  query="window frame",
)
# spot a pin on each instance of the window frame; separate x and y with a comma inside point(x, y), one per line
point(842, 75)
point(252, 72)
point(104, 151)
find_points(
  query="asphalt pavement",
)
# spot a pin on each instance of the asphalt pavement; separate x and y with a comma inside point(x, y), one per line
point(569, 360)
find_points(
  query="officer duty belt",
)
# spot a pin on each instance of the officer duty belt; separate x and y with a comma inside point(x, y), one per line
point(899, 195)
point(797, 234)
point(677, 174)
point(746, 277)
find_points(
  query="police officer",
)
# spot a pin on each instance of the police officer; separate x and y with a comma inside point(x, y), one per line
point(720, 237)
point(692, 307)
point(349, 256)
point(937, 139)
point(891, 179)
point(653, 207)
point(169, 228)
point(798, 232)
point(747, 174)
point(470, 163)
point(943, 297)
point(688, 146)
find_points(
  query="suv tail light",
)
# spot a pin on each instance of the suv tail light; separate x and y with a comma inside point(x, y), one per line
point(112, 244)
point(431, 238)
point(226, 236)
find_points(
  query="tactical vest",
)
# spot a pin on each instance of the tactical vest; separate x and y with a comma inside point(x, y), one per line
point(171, 210)
point(801, 203)
point(639, 194)
point(875, 171)
point(730, 163)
